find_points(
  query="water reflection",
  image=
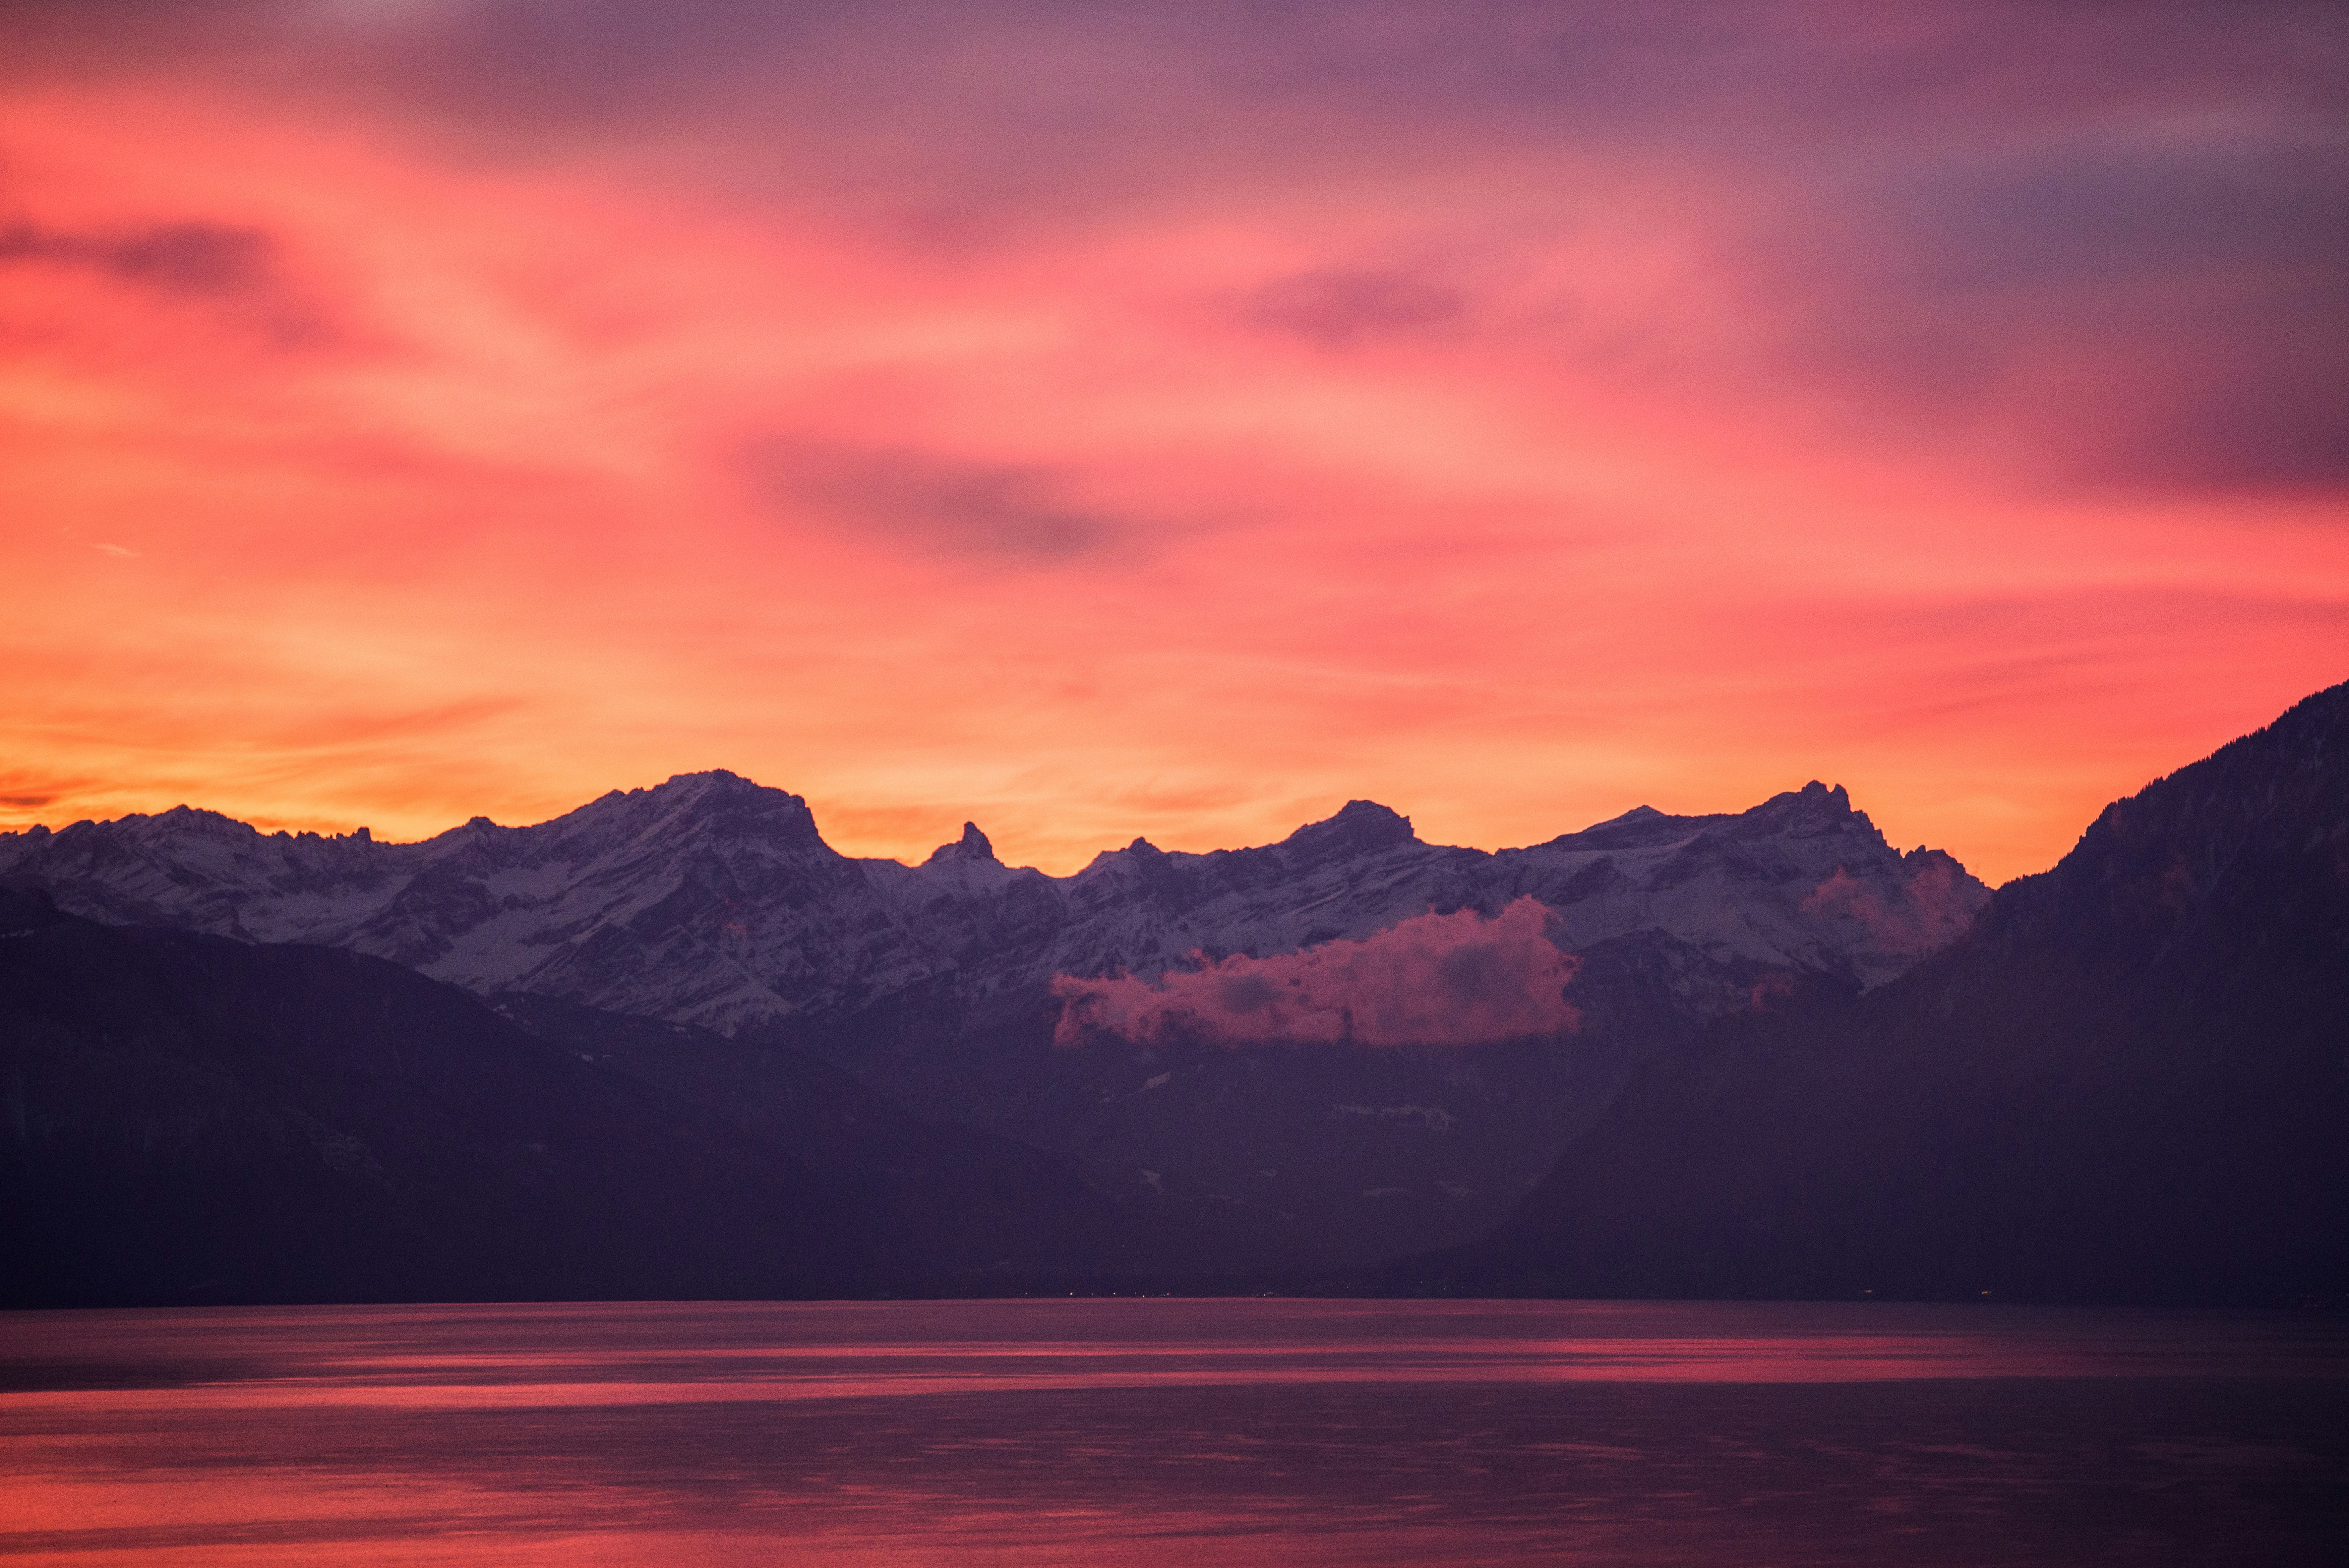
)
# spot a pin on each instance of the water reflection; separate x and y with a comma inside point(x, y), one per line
point(1149, 1431)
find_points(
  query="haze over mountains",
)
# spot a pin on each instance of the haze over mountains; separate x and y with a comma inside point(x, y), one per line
point(2124, 1080)
point(1345, 1046)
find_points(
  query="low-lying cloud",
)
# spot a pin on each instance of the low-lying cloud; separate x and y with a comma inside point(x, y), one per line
point(1434, 980)
point(1929, 908)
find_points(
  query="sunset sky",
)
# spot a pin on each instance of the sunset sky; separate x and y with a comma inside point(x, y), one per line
point(1103, 420)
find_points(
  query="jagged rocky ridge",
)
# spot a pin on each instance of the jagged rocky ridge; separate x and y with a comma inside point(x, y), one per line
point(714, 902)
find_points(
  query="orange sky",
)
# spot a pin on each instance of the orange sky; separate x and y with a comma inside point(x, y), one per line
point(1172, 425)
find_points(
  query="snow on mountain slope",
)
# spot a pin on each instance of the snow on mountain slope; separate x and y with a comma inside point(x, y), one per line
point(1734, 887)
point(712, 900)
point(1325, 1128)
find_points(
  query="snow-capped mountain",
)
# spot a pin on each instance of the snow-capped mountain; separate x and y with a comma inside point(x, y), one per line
point(1188, 992)
point(713, 900)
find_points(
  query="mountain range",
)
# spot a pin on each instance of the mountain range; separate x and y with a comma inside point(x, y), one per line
point(1344, 1046)
point(1759, 1053)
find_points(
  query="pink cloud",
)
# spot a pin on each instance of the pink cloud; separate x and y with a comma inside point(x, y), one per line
point(876, 406)
point(1434, 980)
point(1928, 907)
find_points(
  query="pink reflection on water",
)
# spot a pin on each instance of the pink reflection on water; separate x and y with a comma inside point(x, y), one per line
point(1125, 1431)
point(813, 1371)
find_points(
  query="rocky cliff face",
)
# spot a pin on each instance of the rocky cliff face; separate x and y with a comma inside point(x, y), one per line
point(713, 901)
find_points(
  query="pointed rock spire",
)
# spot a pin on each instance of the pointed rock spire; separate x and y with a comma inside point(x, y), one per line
point(971, 846)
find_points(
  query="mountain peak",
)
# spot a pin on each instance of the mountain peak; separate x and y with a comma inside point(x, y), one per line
point(722, 803)
point(1360, 828)
point(1813, 802)
point(185, 819)
point(715, 786)
point(971, 846)
point(708, 781)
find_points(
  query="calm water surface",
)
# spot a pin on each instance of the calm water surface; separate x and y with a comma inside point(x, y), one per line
point(1161, 1431)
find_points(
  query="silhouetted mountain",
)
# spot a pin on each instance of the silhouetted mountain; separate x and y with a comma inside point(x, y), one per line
point(2125, 1082)
point(1361, 1101)
point(947, 1207)
point(190, 1118)
point(2129, 1082)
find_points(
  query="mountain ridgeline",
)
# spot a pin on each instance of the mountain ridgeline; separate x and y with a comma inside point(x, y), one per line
point(673, 1043)
point(2128, 1082)
point(1345, 1046)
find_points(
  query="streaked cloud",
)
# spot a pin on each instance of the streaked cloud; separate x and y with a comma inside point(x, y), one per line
point(1338, 309)
point(189, 258)
point(1004, 512)
point(1168, 419)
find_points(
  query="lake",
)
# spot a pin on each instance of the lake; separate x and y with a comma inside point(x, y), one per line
point(1151, 1431)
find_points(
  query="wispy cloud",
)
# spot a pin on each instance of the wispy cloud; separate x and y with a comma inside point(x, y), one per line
point(1338, 308)
point(1170, 419)
point(184, 258)
point(1008, 513)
